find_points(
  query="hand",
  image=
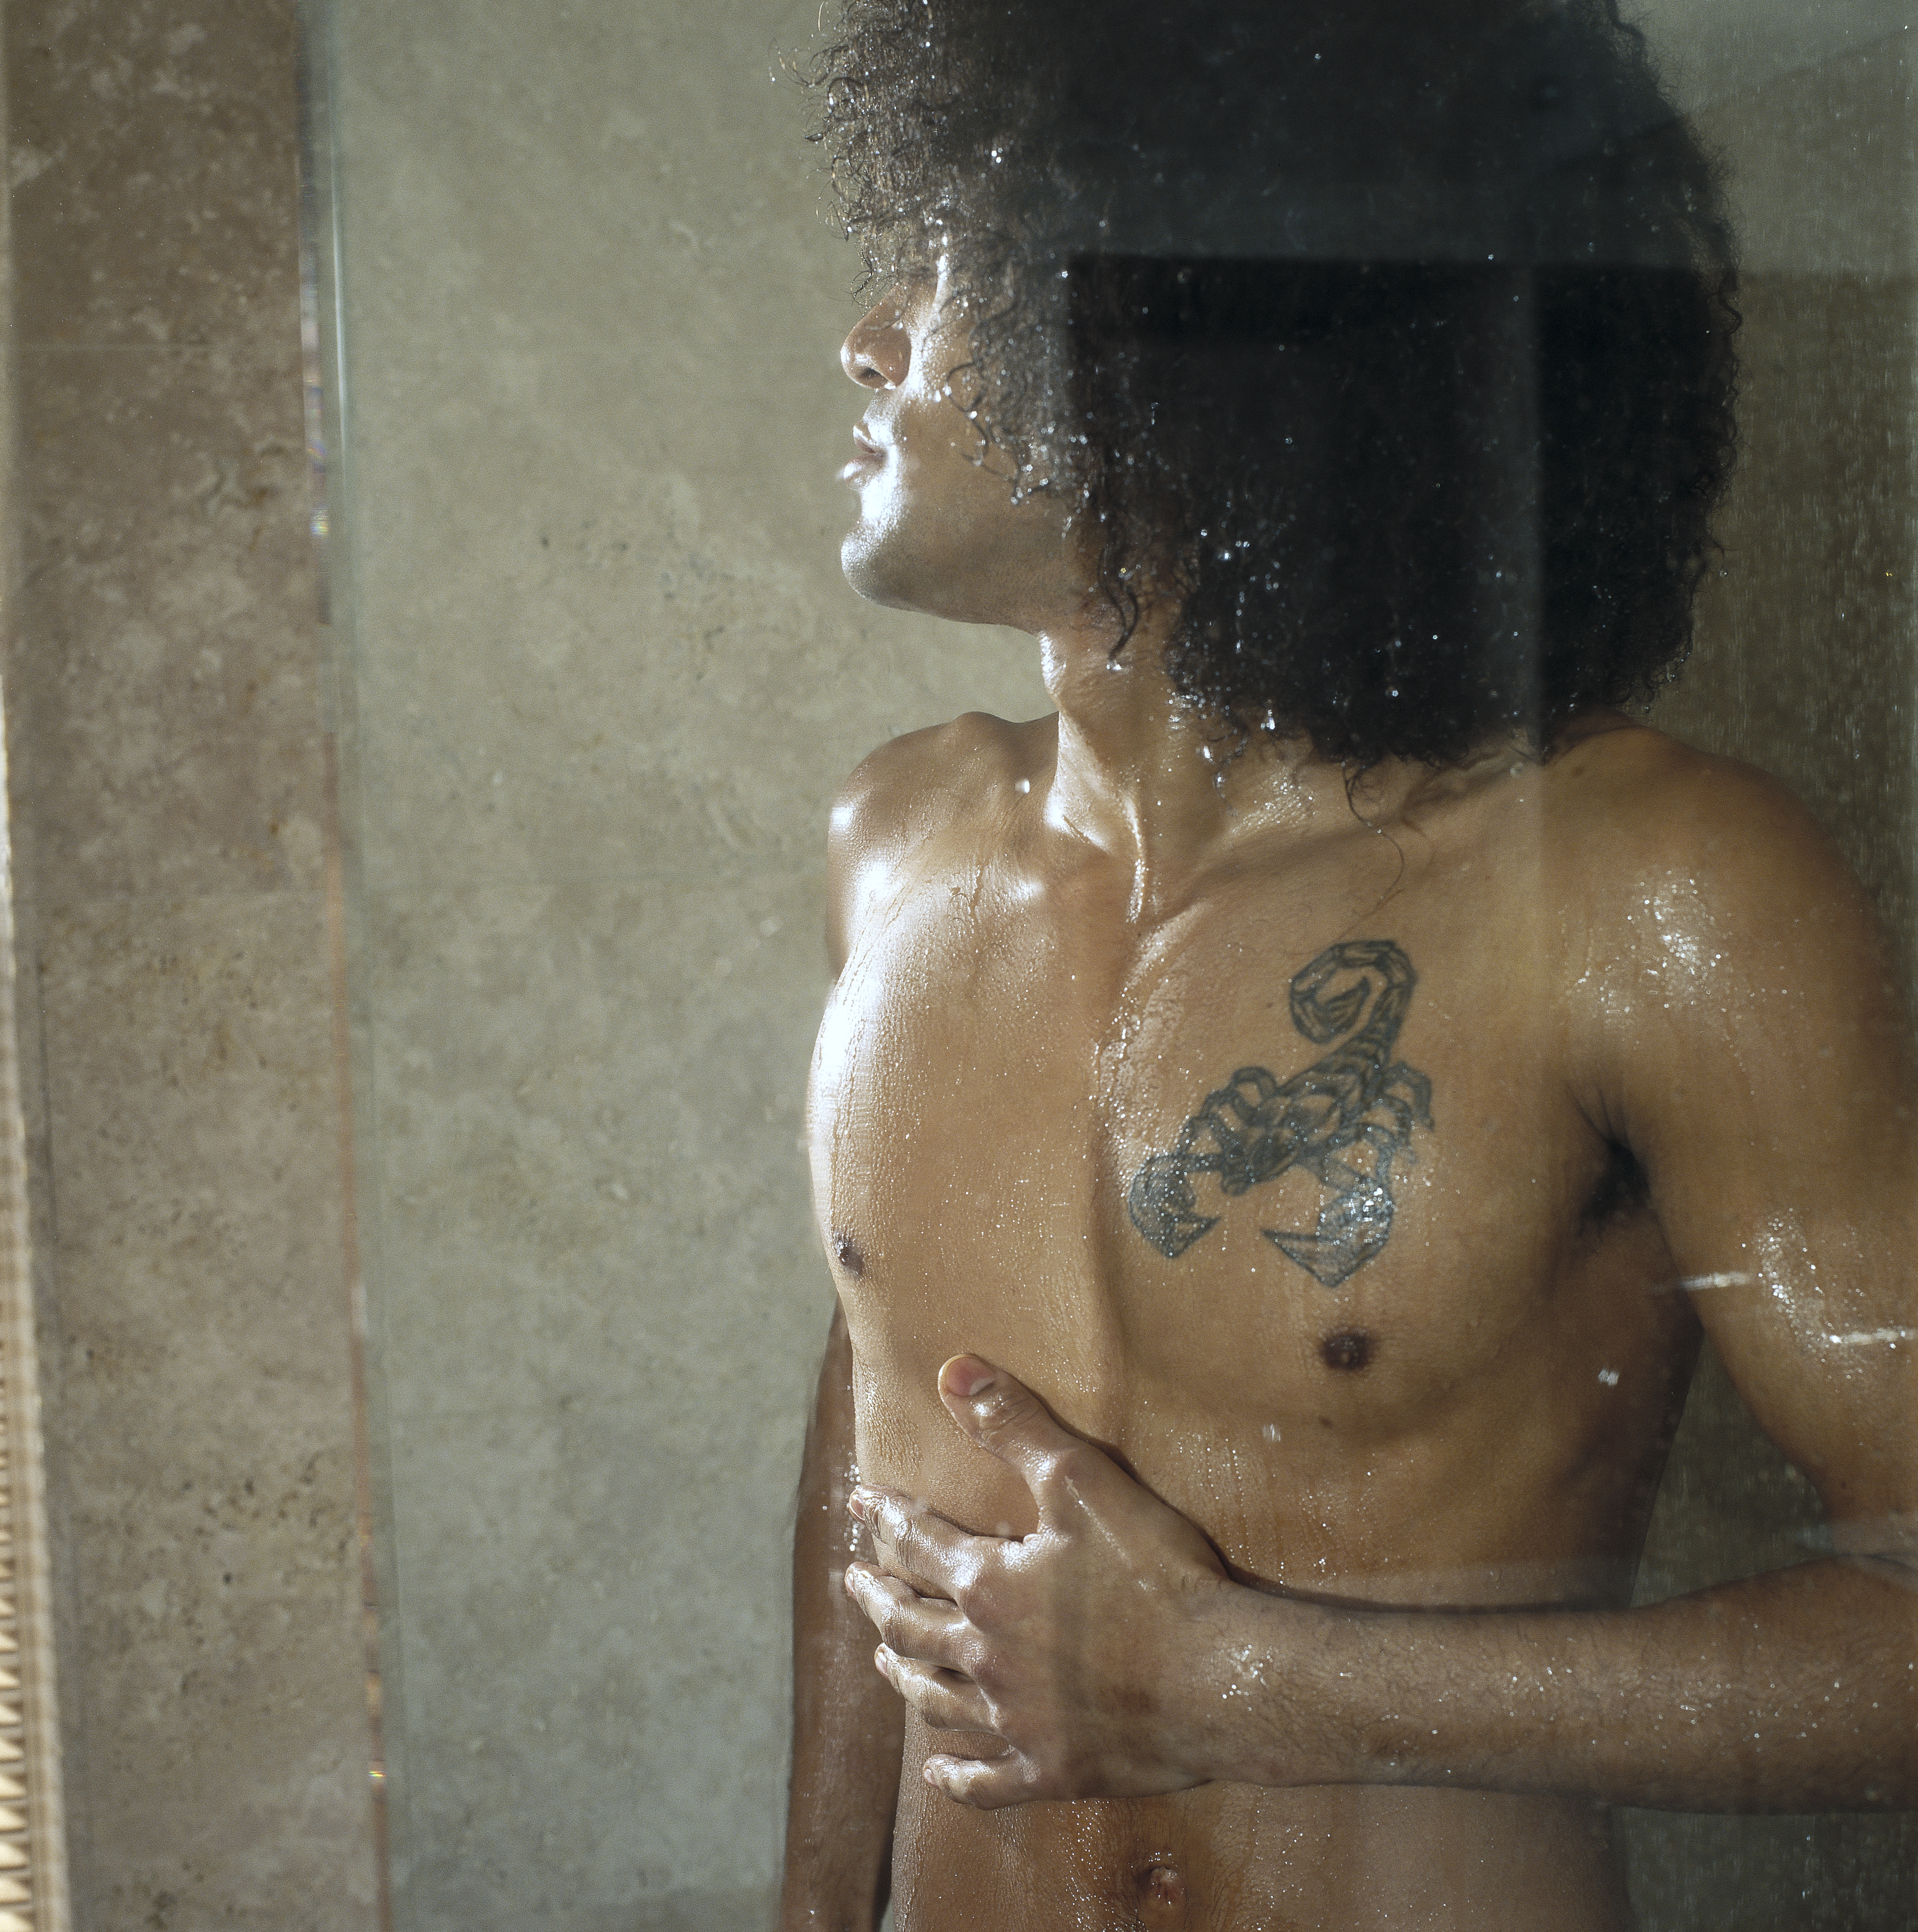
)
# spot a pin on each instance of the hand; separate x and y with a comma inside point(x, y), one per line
point(1079, 1647)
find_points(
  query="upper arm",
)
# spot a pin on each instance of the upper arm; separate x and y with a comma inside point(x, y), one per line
point(1758, 1062)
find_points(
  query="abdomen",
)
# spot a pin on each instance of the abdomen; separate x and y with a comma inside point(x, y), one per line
point(1233, 1858)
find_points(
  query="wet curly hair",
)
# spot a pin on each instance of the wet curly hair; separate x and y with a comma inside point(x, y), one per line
point(1389, 342)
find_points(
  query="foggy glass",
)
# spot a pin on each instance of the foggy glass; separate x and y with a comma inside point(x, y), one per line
point(577, 311)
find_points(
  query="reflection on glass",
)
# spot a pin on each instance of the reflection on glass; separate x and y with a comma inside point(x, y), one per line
point(1293, 1120)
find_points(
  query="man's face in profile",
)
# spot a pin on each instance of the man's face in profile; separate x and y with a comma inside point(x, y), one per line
point(937, 529)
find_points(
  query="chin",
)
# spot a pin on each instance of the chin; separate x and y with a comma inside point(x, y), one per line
point(967, 571)
point(875, 568)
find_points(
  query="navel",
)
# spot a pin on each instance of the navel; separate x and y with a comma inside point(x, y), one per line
point(845, 1252)
point(1161, 1888)
point(1348, 1350)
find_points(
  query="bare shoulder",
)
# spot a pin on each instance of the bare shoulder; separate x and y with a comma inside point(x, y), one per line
point(911, 783)
point(1707, 917)
point(928, 795)
point(1635, 812)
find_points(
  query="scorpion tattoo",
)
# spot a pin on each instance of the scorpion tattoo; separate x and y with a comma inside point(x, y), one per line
point(1347, 1119)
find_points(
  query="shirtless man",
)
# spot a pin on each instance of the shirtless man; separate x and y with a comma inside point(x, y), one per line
point(1277, 1166)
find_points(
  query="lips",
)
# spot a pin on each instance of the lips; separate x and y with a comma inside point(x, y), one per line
point(868, 457)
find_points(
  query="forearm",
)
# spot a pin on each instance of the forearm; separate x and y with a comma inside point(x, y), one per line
point(847, 1725)
point(1793, 1691)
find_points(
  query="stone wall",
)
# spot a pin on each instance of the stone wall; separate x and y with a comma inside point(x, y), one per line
point(170, 804)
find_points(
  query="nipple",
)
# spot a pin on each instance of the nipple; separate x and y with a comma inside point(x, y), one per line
point(846, 1251)
point(1350, 1349)
point(1161, 1894)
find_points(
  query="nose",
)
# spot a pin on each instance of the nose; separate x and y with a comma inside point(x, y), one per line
point(877, 354)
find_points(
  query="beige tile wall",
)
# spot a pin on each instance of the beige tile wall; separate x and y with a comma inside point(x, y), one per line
point(585, 287)
point(171, 799)
point(606, 676)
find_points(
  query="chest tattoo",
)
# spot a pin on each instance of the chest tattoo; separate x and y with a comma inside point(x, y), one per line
point(1347, 1119)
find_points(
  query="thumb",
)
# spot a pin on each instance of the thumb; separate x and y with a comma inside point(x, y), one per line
point(1005, 1418)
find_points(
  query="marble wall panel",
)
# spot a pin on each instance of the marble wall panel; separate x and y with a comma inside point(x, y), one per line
point(153, 140)
point(589, 1101)
point(169, 782)
point(591, 1641)
point(623, 612)
point(1710, 51)
point(198, 1255)
point(595, 1247)
point(624, 178)
point(606, 677)
point(1817, 153)
point(169, 697)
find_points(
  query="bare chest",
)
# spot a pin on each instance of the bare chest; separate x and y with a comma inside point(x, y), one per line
point(1263, 1184)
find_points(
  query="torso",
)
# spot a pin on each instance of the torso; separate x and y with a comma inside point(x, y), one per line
point(1405, 1333)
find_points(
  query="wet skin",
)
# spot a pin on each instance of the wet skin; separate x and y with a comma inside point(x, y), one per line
point(1643, 1073)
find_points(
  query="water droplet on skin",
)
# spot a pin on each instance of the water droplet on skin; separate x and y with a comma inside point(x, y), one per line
point(1023, 785)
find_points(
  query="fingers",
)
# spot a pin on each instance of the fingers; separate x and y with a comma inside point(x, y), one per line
point(945, 1699)
point(913, 1542)
point(1005, 1418)
point(923, 1651)
point(986, 1784)
point(914, 1626)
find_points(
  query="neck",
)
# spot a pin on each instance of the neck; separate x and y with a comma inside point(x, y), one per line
point(1167, 789)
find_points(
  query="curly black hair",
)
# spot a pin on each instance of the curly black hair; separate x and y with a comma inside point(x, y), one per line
point(1390, 340)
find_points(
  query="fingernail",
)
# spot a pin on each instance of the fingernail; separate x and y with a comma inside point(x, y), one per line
point(858, 1504)
point(973, 1382)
